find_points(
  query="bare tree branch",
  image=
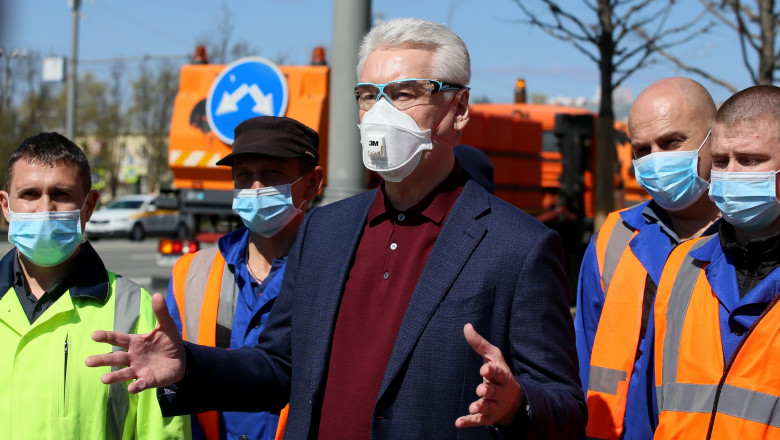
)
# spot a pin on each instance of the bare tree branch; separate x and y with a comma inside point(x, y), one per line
point(757, 29)
point(558, 30)
point(713, 8)
point(693, 69)
point(742, 28)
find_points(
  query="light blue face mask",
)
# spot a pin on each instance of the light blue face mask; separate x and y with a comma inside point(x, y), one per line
point(46, 238)
point(672, 177)
point(746, 200)
point(265, 211)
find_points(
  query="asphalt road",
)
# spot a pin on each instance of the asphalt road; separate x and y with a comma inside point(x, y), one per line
point(135, 260)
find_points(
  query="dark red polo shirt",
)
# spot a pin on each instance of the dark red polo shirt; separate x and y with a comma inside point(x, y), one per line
point(390, 258)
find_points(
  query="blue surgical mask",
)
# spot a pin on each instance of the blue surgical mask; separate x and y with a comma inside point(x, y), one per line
point(746, 200)
point(672, 177)
point(46, 238)
point(265, 211)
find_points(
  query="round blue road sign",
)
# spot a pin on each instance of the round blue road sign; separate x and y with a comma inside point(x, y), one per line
point(246, 88)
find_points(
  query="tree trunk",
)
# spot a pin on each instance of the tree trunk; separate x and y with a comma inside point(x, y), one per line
point(605, 144)
point(766, 62)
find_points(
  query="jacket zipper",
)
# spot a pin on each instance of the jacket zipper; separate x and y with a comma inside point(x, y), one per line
point(65, 375)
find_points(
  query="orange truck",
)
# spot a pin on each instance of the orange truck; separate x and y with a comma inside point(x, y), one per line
point(542, 154)
point(544, 161)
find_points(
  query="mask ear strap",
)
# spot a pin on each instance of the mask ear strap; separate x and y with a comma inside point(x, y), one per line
point(296, 181)
point(436, 130)
point(705, 140)
point(85, 201)
point(304, 200)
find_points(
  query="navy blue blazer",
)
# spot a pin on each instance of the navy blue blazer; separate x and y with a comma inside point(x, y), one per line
point(492, 265)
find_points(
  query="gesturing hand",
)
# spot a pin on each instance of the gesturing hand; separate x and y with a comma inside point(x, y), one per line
point(500, 396)
point(155, 359)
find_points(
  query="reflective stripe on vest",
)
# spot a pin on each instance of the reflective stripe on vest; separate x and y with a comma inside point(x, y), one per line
point(127, 306)
point(206, 293)
point(611, 242)
point(617, 336)
point(697, 392)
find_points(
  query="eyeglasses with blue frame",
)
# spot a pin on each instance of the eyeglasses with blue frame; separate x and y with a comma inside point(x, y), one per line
point(401, 93)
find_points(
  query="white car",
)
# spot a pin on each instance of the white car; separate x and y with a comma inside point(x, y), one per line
point(135, 217)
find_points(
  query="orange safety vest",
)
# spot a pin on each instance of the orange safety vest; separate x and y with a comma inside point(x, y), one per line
point(697, 392)
point(202, 310)
point(617, 336)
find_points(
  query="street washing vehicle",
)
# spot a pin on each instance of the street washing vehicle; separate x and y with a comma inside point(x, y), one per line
point(543, 155)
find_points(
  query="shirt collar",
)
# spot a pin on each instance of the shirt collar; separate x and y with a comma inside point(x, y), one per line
point(233, 247)
point(86, 278)
point(758, 252)
point(434, 207)
point(653, 213)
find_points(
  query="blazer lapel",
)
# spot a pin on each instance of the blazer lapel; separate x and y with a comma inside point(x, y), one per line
point(459, 236)
point(336, 262)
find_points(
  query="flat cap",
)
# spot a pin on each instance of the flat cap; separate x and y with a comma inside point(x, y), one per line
point(275, 136)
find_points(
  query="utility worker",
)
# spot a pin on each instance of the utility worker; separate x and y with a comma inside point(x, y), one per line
point(55, 292)
point(222, 295)
point(669, 127)
point(716, 316)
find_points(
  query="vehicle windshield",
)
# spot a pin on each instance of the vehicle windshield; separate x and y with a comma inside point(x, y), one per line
point(125, 204)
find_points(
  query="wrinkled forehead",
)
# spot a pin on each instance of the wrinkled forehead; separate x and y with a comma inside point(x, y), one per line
point(29, 167)
point(762, 133)
point(765, 127)
point(385, 65)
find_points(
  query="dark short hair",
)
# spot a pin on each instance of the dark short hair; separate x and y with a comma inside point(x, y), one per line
point(752, 104)
point(51, 149)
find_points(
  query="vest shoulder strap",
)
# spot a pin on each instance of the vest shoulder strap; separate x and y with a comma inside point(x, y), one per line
point(195, 286)
point(127, 309)
point(210, 299)
point(209, 295)
point(179, 278)
point(672, 307)
point(612, 239)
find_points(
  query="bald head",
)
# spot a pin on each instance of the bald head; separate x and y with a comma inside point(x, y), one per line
point(675, 98)
point(672, 114)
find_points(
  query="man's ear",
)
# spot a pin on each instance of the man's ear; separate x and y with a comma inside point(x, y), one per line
point(314, 183)
point(4, 202)
point(90, 205)
point(462, 110)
